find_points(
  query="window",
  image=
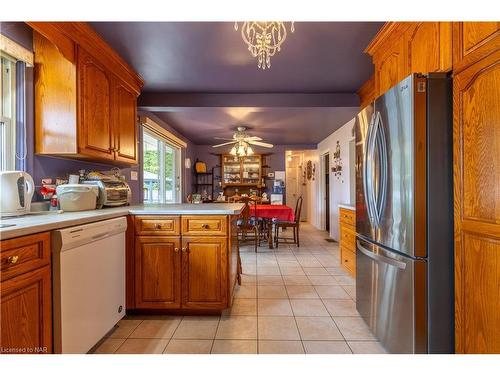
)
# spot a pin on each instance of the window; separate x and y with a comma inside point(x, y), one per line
point(161, 169)
point(7, 113)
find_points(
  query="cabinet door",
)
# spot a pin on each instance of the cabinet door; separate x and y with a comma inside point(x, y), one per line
point(157, 273)
point(204, 273)
point(476, 133)
point(94, 99)
point(391, 67)
point(429, 47)
point(472, 41)
point(125, 124)
point(26, 313)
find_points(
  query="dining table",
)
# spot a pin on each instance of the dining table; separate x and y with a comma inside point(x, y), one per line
point(268, 212)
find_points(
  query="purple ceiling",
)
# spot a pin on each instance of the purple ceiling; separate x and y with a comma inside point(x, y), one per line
point(200, 78)
point(275, 125)
point(212, 57)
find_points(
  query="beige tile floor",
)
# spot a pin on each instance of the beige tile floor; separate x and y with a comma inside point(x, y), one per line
point(292, 300)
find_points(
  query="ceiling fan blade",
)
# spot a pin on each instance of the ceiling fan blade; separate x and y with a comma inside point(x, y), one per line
point(224, 139)
point(262, 144)
point(253, 138)
point(225, 144)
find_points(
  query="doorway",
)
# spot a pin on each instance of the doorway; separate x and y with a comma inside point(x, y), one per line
point(296, 185)
point(326, 189)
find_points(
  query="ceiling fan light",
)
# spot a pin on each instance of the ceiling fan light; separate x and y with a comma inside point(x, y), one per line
point(233, 151)
point(249, 151)
point(241, 150)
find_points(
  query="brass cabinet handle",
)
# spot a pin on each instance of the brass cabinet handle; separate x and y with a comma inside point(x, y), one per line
point(13, 259)
point(176, 249)
point(205, 226)
point(158, 226)
point(185, 249)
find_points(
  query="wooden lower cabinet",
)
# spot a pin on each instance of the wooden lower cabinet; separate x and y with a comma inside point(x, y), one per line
point(26, 295)
point(157, 272)
point(193, 270)
point(347, 239)
point(204, 272)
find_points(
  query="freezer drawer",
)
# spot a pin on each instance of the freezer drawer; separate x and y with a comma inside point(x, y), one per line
point(391, 297)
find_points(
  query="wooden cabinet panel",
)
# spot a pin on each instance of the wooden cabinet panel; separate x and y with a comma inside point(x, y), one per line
point(157, 225)
point(204, 272)
point(429, 47)
point(55, 99)
point(125, 123)
point(23, 254)
point(472, 41)
point(477, 33)
point(476, 132)
point(157, 272)
point(477, 111)
point(94, 89)
point(348, 260)
point(391, 67)
point(347, 216)
point(203, 225)
point(26, 313)
point(348, 237)
point(480, 310)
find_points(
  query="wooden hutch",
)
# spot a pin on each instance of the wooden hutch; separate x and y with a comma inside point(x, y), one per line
point(243, 175)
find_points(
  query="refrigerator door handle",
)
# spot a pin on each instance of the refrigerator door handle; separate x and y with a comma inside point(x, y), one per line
point(367, 180)
point(380, 258)
point(380, 143)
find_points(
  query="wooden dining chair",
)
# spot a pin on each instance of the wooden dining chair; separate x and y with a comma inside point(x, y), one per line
point(295, 225)
point(248, 224)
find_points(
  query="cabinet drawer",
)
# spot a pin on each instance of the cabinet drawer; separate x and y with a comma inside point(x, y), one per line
point(157, 225)
point(23, 254)
point(347, 216)
point(204, 225)
point(347, 237)
point(348, 260)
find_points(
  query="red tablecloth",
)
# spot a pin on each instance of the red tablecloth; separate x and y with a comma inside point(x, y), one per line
point(273, 211)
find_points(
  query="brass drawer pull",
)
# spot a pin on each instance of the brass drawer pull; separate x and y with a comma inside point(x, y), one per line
point(158, 226)
point(205, 226)
point(13, 259)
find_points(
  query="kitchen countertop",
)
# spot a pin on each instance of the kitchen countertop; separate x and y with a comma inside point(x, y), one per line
point(47, 221)
point(347, 206)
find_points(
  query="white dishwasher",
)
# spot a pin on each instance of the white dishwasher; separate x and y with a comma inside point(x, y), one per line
point(88, 283)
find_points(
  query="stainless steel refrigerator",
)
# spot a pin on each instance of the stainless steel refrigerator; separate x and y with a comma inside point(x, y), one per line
point(404, 216)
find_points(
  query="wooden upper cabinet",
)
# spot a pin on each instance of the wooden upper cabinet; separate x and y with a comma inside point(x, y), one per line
point(472, 41)
point(124, 113)
point(94, 89)
point(157, 272)
point(85, 95)
point(390, 66)
point(204, 272)
point(476, 135)
point(429, 47)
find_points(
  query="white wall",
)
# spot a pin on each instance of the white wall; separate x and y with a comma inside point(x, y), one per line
point(340, 187)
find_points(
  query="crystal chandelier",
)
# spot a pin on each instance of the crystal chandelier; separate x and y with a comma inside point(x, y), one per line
point(241, 149)
point(264, 39)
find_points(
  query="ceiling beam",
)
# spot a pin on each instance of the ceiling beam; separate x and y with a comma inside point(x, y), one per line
point(167, 102)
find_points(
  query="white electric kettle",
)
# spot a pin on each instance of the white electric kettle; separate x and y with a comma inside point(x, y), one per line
point(16, 191)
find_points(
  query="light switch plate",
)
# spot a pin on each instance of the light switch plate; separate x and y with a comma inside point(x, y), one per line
point(133, 175)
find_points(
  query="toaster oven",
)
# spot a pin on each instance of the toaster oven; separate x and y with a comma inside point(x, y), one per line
point(112, 192)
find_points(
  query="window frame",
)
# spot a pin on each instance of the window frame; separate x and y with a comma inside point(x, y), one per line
point(7, 120)
point(177, 183)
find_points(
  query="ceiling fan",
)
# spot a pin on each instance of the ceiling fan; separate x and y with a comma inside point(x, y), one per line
point(242, 142)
